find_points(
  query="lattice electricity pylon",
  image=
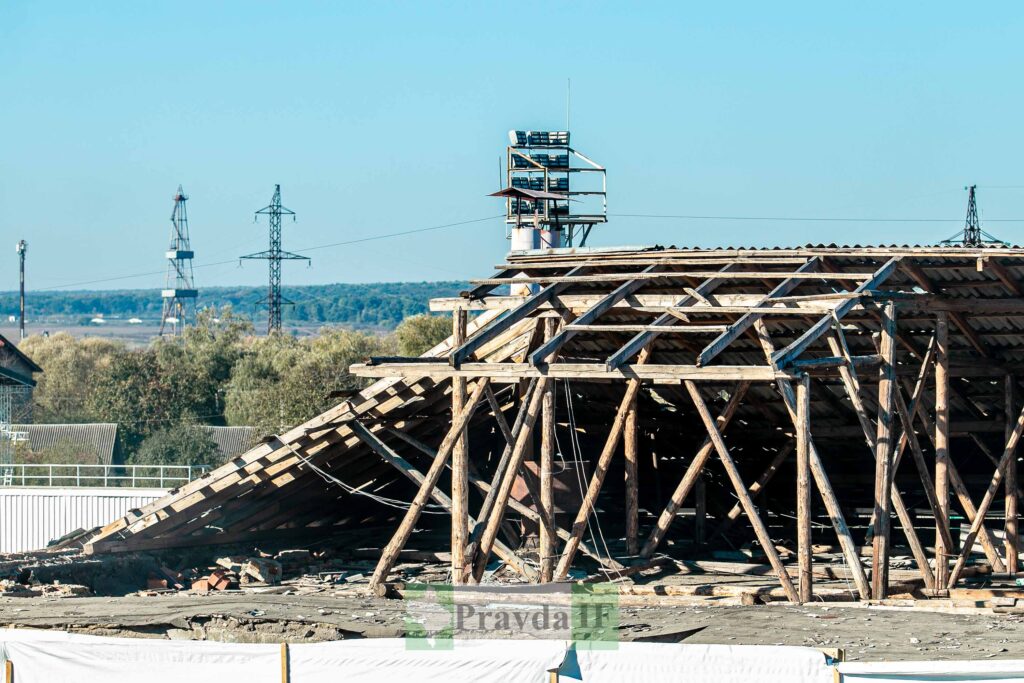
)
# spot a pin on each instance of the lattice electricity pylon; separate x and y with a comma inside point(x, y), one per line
point(972, 235)
point(179, 293)
point(274, 256)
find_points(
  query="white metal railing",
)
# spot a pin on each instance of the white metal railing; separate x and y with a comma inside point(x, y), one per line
point(128, 476)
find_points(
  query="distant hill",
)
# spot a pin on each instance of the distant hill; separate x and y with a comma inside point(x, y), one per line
point(378, 305)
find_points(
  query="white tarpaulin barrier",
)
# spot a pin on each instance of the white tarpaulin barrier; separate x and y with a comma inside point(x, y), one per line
point(667, 663)
point(390, 660)
point(977, 671)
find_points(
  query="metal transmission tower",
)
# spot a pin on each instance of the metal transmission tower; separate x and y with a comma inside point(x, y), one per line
point(972, 235)
point(179, 293)
point(22, 249)
point(274, 256)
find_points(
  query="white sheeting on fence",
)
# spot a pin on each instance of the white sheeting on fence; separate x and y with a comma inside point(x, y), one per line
point(656, 662)
point(391, 660)
point(984, 671)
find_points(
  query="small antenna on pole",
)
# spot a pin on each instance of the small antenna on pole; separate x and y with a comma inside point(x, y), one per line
point(568, 101)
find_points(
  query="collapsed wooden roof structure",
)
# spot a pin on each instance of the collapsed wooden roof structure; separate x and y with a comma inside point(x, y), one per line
point(848, 358)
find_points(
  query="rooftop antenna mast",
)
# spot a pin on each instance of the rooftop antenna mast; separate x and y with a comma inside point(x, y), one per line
point(972, 235)
point(274, 255)
point(179, 293)
point(22, 249)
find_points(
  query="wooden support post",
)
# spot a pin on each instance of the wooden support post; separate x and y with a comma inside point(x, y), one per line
point(803, 486)
point(691, 475)
point(883, 457)
point(460, 462)
point(942, 443)
point(285, 668)
point(986, 502)
point(547, 459)
point(579, 525)
point(760, 530)
point(1010, 526)
point(630, 438)
point(523, 439)
point(828, 495)
point(412, 515)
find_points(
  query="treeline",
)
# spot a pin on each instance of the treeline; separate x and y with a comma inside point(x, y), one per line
point(379, 305)
point(217, 373)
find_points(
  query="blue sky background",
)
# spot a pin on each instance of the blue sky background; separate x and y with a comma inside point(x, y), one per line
point(381, 117)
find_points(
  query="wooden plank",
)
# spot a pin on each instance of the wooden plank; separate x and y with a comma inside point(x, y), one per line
point(941, 440)
point(490, 530)
point(722, 342)
point(691, 475)
point(501, 325)
point(803, 487)
point(412, 515)
point(883, 457)
point(547, 461)
point(579, 525)
point(686, 329)
point(549, 349)
point(585, 371)
point(460, 462)
point(1010, 451)
point(760, 530)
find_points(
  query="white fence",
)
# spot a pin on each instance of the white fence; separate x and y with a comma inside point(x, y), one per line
point(31, 517)
point(134, 476)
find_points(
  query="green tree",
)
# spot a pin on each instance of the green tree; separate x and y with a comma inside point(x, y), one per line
point(180, 445)
point(284, 381)
point(419, 333)
point(70, 365)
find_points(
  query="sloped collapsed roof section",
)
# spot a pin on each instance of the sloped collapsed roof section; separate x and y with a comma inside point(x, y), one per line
point(698, 312)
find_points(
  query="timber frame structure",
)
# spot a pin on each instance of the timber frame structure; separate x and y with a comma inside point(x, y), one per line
point(684, 372)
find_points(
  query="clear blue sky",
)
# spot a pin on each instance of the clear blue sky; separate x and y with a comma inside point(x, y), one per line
point(381, 117)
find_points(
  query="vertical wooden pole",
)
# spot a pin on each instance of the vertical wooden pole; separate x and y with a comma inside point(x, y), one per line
point(630, 437)
point(700, 504)
point(803, 486)
point(547, 457)
point(285, 677)
point(460, 462)
point(942, 443)
point(883, 456)
point(1010, 473)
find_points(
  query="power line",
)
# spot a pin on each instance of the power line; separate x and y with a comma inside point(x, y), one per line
point(830, 219)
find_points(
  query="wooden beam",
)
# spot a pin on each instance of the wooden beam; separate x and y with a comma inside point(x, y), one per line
point(686, 329)
point(925, 283)
point(1005, 277)
point(402, 465)
point(986, 502)
point(497, 327)
point(547, 461)
point(803, 487)
point(460, 462)
point(755, 489)
point(689, 478)
point(785, 356)
point(412, 515)
point(655, 373)
point(523, 439)
point(712, 350)
point(760, 530)
point(579, 525)
point(828, 495)
point(672, 275)
point(644, 339)
point(631, 452)
point(883, 457)
point(548, 350)
point(1010, 530)
point(942, 442)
